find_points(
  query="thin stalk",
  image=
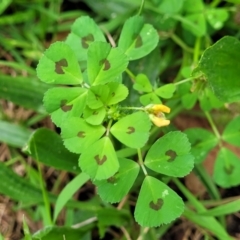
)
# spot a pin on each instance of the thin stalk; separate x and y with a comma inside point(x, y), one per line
point(141, 7)
point(196, 53)
point(130, 74)
point(212, 124)
point(185, 80)
point(179, 42)
point(140, 161)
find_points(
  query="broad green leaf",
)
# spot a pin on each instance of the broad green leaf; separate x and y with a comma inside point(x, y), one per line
point(216, 17)
point(94, 116)
point(137, 39)
point(4, 5)
point(170, 155)
point(170, 6)
point(97, 96)
point(64, 103)
point(195, 23)
point(100, 162)
point(231, 132)
point(105, 63)
point(84, 31)
point(57, 233)
point(202, 142)
point(157, 204)
point(13, 134)
point(59, 65)
point(220, 65)
point(79, 136)
point(120, 183)
point(47, 147)
point(149, 98)
point(23, 91)
point(226, 169)
point(68, 191)
point(224, 209)
point(166, 91)
point(16, 187)
point(142, 83)
point(132, 130)
point(117, 93)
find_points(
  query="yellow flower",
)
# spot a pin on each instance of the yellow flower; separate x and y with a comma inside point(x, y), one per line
point(156, 114)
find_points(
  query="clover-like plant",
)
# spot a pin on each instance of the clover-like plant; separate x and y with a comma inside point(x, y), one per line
point(87, 104)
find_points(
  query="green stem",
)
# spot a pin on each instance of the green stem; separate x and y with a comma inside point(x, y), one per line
point(179, 42)
point(196, 53)
point(212, 124)
point(141, 7)
point(108, 127)
point(140, 160)
point(130, 74)
point(186, 80)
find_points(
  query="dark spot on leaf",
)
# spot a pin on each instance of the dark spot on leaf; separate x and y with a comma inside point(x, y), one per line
point(156, 206)
point(113, 94)
point(95, 112)
point(58, 66)
point(65, 107)
point(81, 134)
point(130, 130)
point(138, 42)
point(97, 97)
point(100, 161)
point(172, 154)
point(112, 180)
point(196, 142)
point(86, 40)
point(106, 64)
point(229, 170)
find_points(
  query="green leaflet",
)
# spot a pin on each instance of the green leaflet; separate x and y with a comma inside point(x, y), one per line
point(120, 183)
point(64, 103)
point(202, 142)
point(170, 155)
point(79, 135)
point(59, 65)
point(84, 31)
point(231, 132)
point(105, 64)
point(100, 161)
point(137, 39)
point(157, 204)
point(132, 130)
point(226, 169)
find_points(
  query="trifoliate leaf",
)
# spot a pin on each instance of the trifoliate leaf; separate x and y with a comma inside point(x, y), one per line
point(170, 155)
point(132, 130)
point(63, 103)
point(120, 183)
point(166, 91)
point(137, 39)
point(100, 161)
point(142, 83)
point(157, 204)
point(202, 142)
point(84, 31)
point(220, 66)
point(231, 132)
point(59, 65)
point(78, 135)
point(105, 64)
point(94, 116)
point(149, 98)
point(226, 169)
